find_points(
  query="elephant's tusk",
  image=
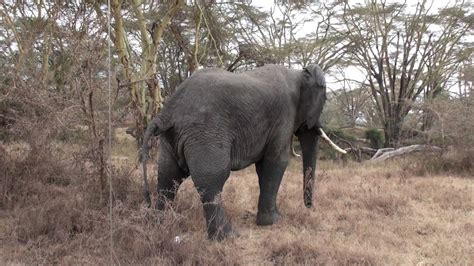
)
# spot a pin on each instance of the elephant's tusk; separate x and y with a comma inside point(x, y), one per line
point(295, 153)
point(326, 138)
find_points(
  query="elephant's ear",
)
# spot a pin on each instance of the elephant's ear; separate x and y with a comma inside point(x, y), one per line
point(314, 87)
point(316, 74)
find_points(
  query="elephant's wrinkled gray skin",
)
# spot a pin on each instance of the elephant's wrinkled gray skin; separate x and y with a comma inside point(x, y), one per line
point(218, 121)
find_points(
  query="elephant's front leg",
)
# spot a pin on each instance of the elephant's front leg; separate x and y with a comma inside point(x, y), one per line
point(270, 172)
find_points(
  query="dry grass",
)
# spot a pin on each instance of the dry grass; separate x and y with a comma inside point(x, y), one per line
point(363, 214)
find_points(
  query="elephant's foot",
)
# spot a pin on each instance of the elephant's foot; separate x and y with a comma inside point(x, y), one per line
point(219, 226)
point(267, 218)
point(222, 232)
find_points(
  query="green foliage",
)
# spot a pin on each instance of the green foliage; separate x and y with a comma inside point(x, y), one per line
point(375, 137)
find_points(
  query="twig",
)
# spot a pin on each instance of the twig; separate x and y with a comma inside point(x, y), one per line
point(137, 81)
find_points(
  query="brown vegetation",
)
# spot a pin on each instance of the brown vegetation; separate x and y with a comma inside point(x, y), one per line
point(364, 214)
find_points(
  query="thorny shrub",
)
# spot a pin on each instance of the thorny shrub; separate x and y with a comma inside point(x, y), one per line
point(54, 217)
point(452, 129)
point(453, 161)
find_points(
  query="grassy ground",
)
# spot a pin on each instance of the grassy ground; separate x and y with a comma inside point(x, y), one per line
point(363, 214)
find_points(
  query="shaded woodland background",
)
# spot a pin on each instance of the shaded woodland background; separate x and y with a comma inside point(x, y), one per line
point(400, 74)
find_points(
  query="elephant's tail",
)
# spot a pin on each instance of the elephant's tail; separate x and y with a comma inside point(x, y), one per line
point(155, 128)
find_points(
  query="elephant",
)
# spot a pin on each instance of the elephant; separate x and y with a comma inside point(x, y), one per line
point(217, 122)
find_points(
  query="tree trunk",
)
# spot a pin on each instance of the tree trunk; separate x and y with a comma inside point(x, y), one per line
point(393, 130)
point(146, 101)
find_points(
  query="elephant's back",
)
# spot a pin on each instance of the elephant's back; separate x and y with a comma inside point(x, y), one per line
point(214, 97)
point(217, 93)
point(240, 110)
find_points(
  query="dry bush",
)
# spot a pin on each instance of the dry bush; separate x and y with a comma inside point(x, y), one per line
point(26, 177)
point(453, 129)
point(458, 162)
point(303, 252)
point(454, 121)
point(35, 119)
point(53, 220)
point(58, 220)
point(146, 234)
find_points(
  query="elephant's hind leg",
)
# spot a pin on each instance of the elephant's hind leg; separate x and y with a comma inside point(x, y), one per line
point(218, 225)
point(209, 171)
point(170, 177)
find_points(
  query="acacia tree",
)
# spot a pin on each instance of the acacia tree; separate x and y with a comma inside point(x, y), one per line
point(142, 23)
point(239, 36)
point(404, 54)
point(292, 33)
point(197, 36)
point(353, 102)
point(466, 79)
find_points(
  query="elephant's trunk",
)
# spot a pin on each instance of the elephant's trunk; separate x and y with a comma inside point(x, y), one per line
point(309, 146)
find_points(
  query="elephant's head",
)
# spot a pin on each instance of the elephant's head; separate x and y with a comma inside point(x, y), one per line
point(312, 99)
point(313, 95)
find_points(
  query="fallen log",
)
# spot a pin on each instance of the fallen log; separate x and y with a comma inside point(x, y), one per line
point(387, 153)
point(381, 151)
point(368, 150)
